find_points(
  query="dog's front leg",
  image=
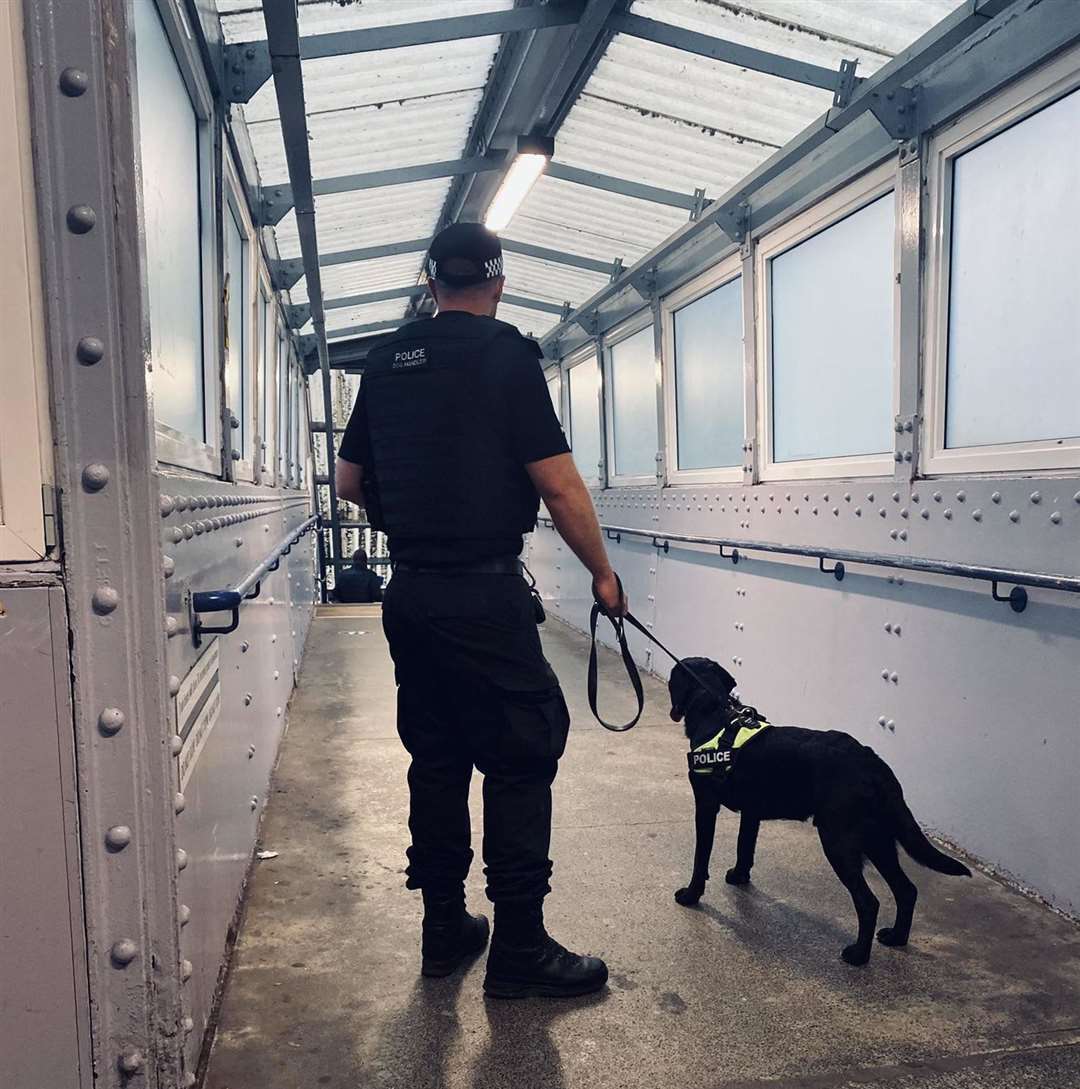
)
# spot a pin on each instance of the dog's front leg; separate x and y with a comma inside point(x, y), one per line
point(739, 874)
point(705, 813)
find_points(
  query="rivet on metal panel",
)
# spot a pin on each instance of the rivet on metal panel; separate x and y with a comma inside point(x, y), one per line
point(179, 803)
point(254, 803)
point(168, 566)
point(248, 697)
point(890, 725)
point(239, 542)
point(277, 674)
point(117, 837)
point(273, 638)
point(1014, 516)
point(896, 630)
point(1055, 517)
point(186, 970)
point(1036, 497)
point(894, 678)
point(907, 455)
point(89, 350)
point(888, 628)
point(245, 646)
point(899, 580)
point(858, 512)
point(898, 456)
point(924, 513)
point(884, 674)
point(1076, 498)
point(188, 531)
point(181, 858)
point(176, 743)
point(277, 712)
point(166, 505)
point(882, 512)
point(881, 721)
point(977, 514)
point(961, 496)
point(914, 497)
point(131, 1061)
point(948, 513)
point(73, 82)
point(996, 497)
point(893, 534)
point(81, 218)
point(903, 512)
point(251, 751)
point(183, 914)
point(200, 528)
point(869, 497)
point(903, 535)
point(123, 952)
point(111, 721)
point(105, 600)
point(172, 626)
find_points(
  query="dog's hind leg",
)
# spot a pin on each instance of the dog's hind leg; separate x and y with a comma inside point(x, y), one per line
point(739, 874)
point(882, 853)
point(705, 813)
point(845, 857)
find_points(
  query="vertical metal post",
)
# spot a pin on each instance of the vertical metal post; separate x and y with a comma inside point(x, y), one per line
point(909, 319)
point(84, 148)
point(752, 454)
point(661, 414)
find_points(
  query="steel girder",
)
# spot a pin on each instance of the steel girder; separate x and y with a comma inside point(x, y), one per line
point(248, 65)
point(283, 44)
point(287, 273)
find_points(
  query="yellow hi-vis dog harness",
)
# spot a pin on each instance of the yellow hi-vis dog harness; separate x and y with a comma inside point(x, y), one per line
point(718, 753)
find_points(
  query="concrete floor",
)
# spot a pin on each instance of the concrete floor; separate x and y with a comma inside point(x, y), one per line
point(746, 991)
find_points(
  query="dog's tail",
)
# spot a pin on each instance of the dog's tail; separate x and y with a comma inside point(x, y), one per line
point(921, 849)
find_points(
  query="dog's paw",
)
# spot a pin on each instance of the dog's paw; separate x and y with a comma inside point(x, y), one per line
point(735, 876)
point(852, 954)
point(688, 896)
point(888, 936)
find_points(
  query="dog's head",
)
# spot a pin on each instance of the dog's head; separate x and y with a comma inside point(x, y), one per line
point(685, 690)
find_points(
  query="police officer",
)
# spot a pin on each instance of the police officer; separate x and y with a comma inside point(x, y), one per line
point(451, 444)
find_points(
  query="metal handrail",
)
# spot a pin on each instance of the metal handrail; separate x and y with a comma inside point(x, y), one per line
point(222, 601)
point(1017, 596)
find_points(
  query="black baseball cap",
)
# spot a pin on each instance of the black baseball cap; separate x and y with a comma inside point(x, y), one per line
point(465, 254)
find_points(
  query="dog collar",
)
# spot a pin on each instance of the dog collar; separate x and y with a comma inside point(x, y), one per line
point(718, 753)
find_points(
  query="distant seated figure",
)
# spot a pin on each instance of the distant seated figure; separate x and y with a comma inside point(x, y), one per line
point(358, 583)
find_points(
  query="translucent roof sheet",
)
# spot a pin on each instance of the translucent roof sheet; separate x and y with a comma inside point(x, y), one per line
point(648, 113)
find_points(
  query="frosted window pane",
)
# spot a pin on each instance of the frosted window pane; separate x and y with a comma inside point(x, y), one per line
point(584, 382)
point(236, 382)
point(709, 379)
point(1014, 293)
point(633, 405)
point(553, 393)
point(169, 146)
point(832, 339)
point(262, 337)
point(283, 409)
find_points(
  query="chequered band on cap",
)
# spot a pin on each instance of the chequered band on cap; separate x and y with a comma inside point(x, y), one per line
point(488, 270)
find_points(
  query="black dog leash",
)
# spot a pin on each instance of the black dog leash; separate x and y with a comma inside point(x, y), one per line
point(619, 624)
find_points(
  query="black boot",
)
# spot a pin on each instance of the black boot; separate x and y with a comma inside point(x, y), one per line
point(450, 933)
point(526, 962)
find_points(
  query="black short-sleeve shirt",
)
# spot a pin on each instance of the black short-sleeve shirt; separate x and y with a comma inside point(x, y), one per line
point(508, 422)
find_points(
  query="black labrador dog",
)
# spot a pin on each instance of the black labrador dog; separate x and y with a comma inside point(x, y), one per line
point(770, 772)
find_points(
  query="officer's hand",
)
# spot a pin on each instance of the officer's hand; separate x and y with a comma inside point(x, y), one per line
point(607, 590)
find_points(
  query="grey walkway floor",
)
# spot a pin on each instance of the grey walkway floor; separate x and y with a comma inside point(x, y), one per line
point(747, 991)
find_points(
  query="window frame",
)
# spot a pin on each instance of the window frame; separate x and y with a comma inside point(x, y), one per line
point(281, 402)
point(1009, 107)
point(234, 203)
point(265, 366)
point(720, 275)
point(555, 374)
point(845, 202)
point(174, 448)
point(612, 339)
point(581, 355)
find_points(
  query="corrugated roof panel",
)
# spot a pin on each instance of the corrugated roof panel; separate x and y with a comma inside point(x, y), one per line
point(593, 222)
point(369, 138)
point(550, 282)
point(242, 20)
point(401, 270)
point(333, 84)
point(530, 322)
point(862, 25)
point(655, 149)
point(390, 310)
point(369, 217)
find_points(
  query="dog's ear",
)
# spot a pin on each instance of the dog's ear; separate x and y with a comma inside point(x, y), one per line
point(683, 684)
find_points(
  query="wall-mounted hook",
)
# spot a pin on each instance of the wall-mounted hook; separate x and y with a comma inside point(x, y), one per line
point(733, 555)
point(1017, 597)
point(616, 537)
point(658, 546)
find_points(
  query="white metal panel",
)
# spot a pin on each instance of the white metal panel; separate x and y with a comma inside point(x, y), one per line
point(347, 316)
point(550, 282)
point(24, 403)
point(362, 276)
point(532, 323)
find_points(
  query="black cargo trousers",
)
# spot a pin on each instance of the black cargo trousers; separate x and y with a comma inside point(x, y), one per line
point(474, 689)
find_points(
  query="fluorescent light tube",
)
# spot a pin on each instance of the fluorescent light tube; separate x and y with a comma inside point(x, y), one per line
point(519, 179)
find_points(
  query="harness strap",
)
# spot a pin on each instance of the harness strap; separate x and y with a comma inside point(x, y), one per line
point(619, 624)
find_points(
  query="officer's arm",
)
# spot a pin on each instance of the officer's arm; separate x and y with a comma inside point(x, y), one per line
point(571, 507)
point(350, 482)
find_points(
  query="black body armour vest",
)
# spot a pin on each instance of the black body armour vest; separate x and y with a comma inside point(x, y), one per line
point(440, 464)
